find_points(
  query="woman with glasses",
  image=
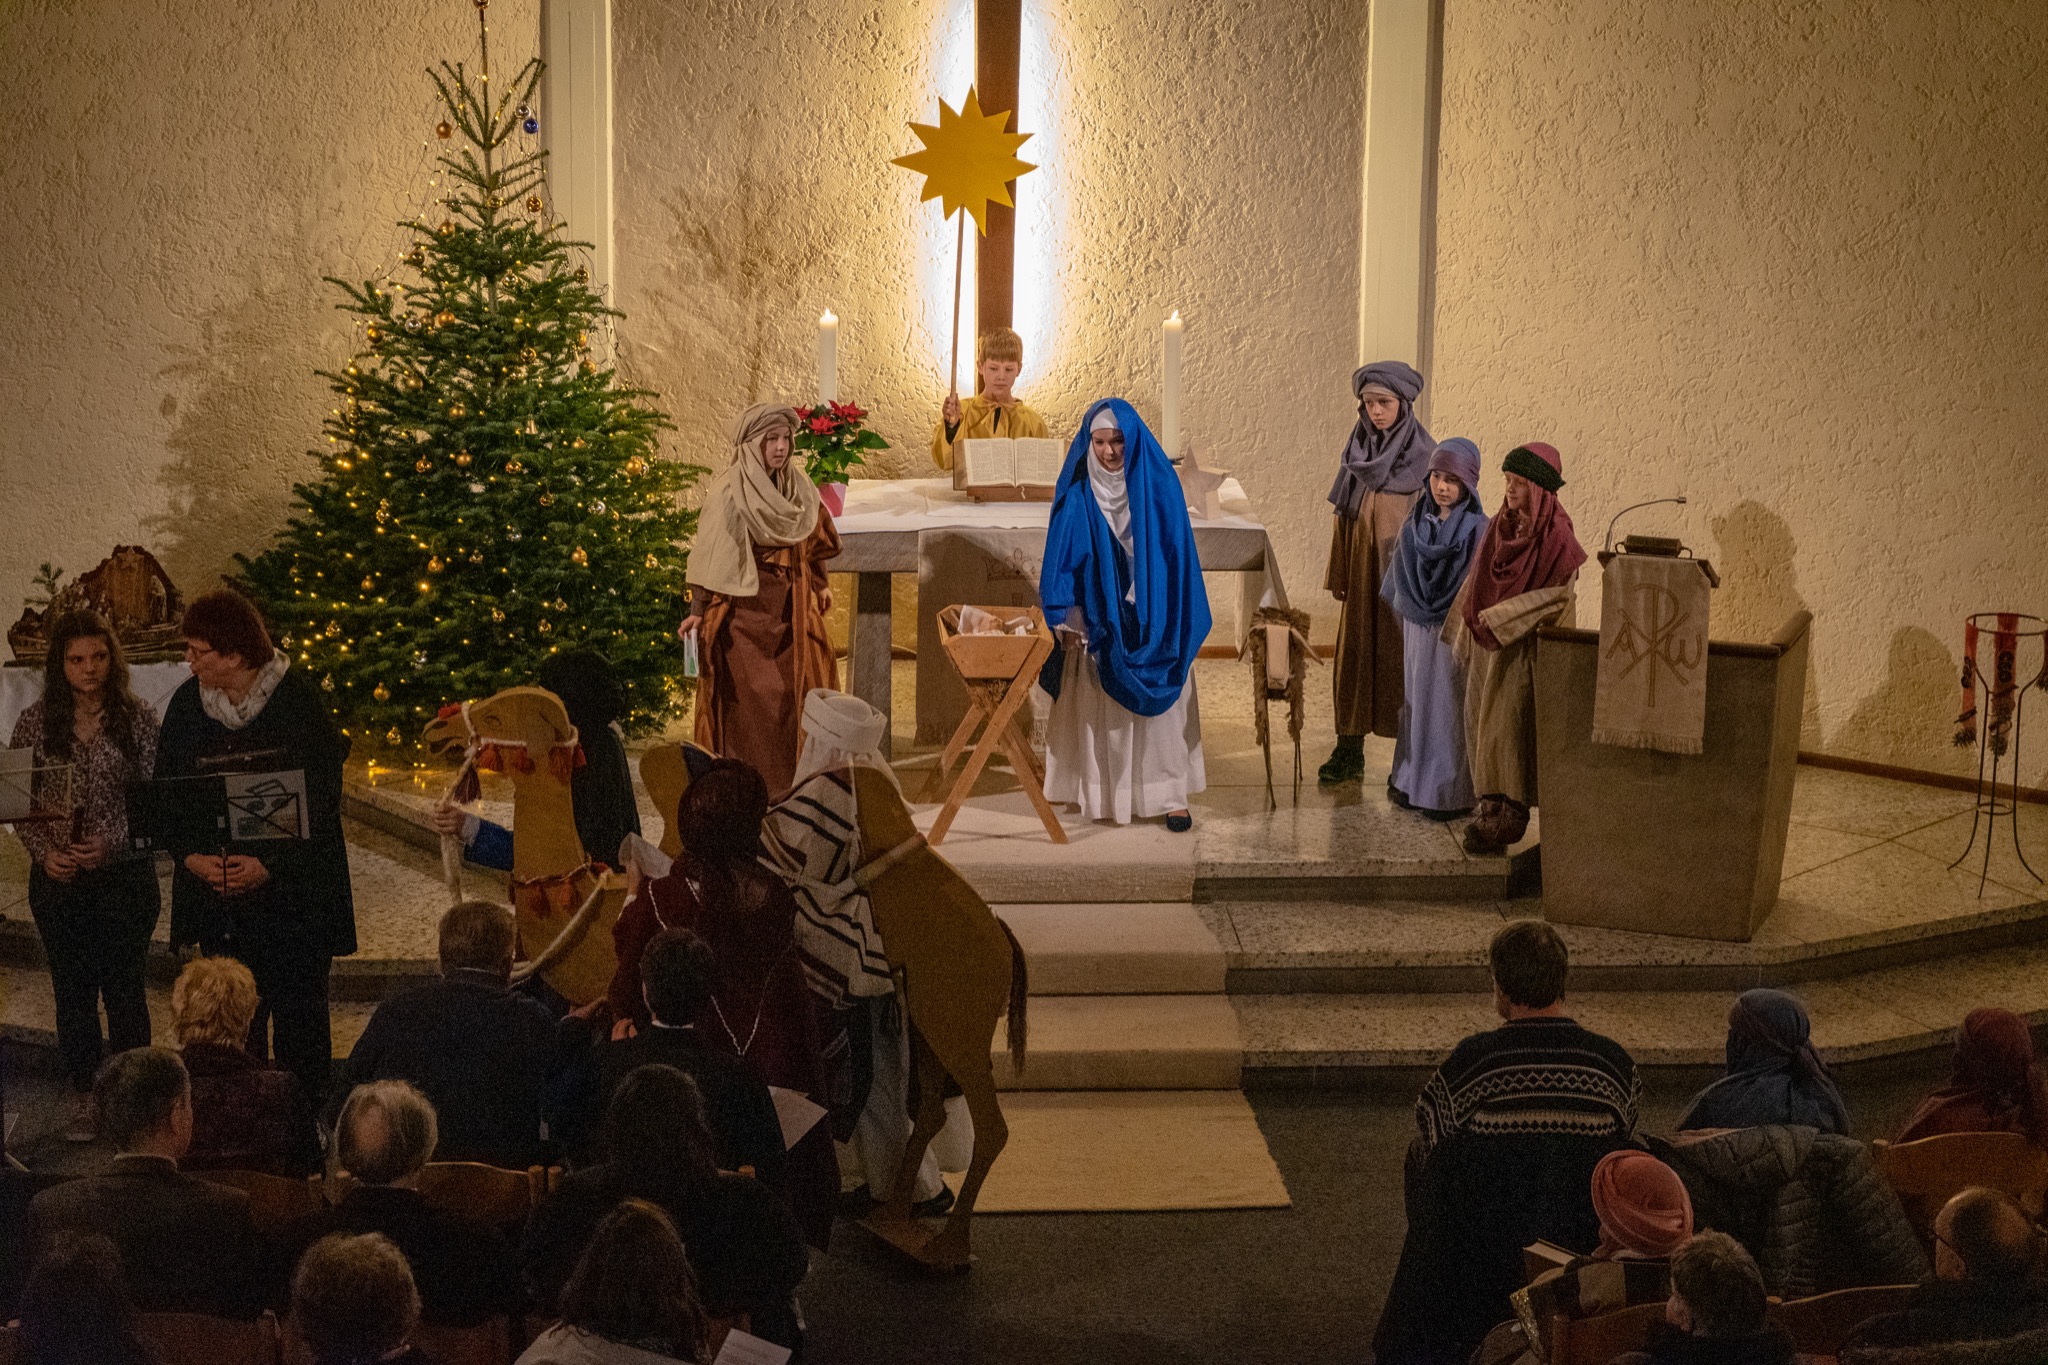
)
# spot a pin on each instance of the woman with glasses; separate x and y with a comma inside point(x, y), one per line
point(95, 902)
point(281, 905)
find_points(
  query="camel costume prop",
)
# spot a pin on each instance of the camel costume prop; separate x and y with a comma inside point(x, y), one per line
point(879, 911)
point(564, 903)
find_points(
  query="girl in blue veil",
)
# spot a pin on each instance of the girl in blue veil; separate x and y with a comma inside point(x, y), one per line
point(1122, 588)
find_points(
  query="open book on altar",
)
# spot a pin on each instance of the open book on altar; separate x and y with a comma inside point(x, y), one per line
point(1008, 469)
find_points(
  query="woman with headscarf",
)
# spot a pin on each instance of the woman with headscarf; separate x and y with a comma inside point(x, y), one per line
point(1383, 465)
point(1431, 772)
point(758, 598)
point(1996, 1086)
point(1775, 1075)
point(1645, 1219)
point(1521, 578)
point(1122, 588)
point(759, 1008)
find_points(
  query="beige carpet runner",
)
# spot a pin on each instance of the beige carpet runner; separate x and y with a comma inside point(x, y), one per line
point(1130, 1151)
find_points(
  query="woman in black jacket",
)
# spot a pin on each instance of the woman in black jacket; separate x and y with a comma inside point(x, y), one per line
point(283, 906)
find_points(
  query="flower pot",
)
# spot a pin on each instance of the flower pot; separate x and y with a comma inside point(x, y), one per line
point(833, 495)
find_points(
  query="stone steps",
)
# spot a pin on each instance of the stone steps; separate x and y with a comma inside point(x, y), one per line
point(1865, 1015)
point(1411, 947)
point(1125, 1042)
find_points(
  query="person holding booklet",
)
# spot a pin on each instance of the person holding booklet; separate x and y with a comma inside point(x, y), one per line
point(1122, 588)
point(993, 410)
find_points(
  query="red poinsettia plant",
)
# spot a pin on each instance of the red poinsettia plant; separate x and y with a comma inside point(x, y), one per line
point(834, 440)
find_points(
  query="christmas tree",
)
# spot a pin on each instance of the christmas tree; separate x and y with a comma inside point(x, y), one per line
point(488, 494)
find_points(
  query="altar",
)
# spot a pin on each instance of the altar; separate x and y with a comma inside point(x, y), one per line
point(884, 519)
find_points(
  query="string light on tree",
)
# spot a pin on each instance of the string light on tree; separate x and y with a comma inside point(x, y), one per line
point(432, 395)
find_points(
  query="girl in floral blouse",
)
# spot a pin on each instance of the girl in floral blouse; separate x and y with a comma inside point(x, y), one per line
point(94, 901)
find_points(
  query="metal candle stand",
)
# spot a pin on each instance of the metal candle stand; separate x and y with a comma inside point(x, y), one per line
point(1989, 806)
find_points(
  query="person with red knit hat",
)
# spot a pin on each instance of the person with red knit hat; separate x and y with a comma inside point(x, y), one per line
point(1522, 578)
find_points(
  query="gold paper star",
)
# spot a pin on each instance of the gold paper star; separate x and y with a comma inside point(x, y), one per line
point(968, 159)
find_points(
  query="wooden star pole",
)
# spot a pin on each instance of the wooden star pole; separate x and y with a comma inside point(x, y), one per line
point(969, 162)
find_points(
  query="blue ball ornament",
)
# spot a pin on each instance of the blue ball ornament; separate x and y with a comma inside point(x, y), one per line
point(532, 124)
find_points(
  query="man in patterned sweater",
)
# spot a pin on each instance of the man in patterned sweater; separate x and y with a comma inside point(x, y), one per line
point(1508, 1131)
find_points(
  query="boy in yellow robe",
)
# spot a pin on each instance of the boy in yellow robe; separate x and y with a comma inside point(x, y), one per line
point(994, 408)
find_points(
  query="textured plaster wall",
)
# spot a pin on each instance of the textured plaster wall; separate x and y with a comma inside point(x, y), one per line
point(1790, 258)
point(180, 174)
point(1199, 156)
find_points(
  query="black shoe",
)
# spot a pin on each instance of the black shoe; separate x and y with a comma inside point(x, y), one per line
point(937, 1206)
point(1182, 823)
point(1345, 765)
point(1394, 794)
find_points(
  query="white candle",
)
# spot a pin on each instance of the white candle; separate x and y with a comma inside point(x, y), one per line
point(1169, 388)
point(828, 357)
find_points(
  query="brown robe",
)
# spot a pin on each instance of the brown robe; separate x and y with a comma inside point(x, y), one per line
point(761, 654)
point(1367, 676)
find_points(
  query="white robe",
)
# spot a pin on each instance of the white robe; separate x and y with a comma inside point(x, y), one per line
point(1114, 763)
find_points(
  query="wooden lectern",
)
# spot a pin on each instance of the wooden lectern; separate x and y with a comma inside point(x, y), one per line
point(1660, 843)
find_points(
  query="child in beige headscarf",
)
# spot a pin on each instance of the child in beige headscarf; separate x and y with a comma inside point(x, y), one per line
point(758, 598)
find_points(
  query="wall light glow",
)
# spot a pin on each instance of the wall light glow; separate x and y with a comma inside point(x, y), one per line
point(1035, 310)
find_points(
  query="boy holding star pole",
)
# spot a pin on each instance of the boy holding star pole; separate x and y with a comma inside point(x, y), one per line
point(994, 408)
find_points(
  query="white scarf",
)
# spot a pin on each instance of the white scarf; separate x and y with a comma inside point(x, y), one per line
point(839, 730)
point(745, 506)
point(1113, 499)
point(234, 714)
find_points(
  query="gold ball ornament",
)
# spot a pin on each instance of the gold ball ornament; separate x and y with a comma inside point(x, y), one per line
point(369, 583)
point(497, 613)
point(582, 275)
point(579, 557)
point(393, 737)
point(462, 459)
point(444, 318)
point(586, 369)
point(529, 355)
point(444, 129)
point(434, 564)
point(417, 257)
point(447, 228)
point(381, 692)
point(476, 556)
point(547, 500)
point(653, 562)
point(373, 334)
point(533, 203)
point(457, 410)
point(333, 629)
point(515, 467)
point(636, 466)
point(545, 627)
point(422, 465)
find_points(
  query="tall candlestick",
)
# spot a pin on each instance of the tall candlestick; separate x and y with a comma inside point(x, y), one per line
point(1169, 388)
point(828, 357)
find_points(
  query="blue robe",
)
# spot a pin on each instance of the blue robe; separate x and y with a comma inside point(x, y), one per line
point(1146, 613)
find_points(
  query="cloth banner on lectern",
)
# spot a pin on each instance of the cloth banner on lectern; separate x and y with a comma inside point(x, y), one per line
point(973, 566)
point(1651, 692)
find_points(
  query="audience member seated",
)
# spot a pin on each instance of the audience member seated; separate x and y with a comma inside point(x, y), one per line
point(1645, 1218)
point(1987, 1290)
point(1716, 1312)
point(76, 1310)
point(1774, 1073)
point(632, 1299)
point(743, 1244)
point(353, 1302)
point(484, 1055)
point(186, 1246)
point(1996, 1086)
point(464, 1269)
point(1811, 1207)
point(1509, 1131)
point(246, 1116)
point(676, 974)
point(760, 1009)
